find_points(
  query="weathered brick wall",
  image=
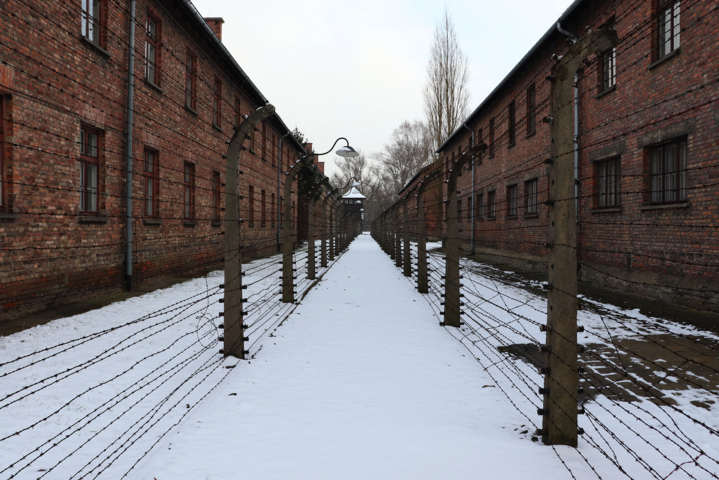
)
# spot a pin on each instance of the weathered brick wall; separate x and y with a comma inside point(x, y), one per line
point(51, 254)
point(670, 251)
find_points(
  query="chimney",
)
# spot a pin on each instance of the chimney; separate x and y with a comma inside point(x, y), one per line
point(215, 24)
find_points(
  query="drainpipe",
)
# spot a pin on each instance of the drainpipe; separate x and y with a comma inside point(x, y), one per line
point(128, 143)
point(471, 235)
point(279, 191)
point(576, 146)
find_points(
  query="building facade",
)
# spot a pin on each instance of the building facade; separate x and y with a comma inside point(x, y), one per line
point(646, 149)
point(103, 110)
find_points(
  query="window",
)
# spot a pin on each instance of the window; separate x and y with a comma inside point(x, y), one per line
point(152, 50)
point(264, 141)
point(607, 69)
point(480, 205)
point(469, 208)
point(263, 208)
point(459, 210)
point(92, 15)
point(189, 190)
point(274, 146)
point(531, 193)
point(531, 109)
point(89, 169)
point(217, 104)
point(480, 141)
point(490, 150)
point(668, 164)
point(669, 27)
point(511, 124)
point(216, 196)
point(607, 174)
point(238, 115)
point(151, 179)
point(190, 81)
point(274, 213)
point(252, 206)
point(607, 64)
point(512, 201)
point(492, 204)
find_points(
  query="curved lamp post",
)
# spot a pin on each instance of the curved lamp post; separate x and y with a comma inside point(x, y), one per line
point(288, 288)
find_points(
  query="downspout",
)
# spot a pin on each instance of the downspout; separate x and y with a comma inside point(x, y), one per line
point(128, 145)
point(576, 146)
point(279, 191)
point(471, 234)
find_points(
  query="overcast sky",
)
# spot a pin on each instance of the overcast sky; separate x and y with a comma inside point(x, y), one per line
point(356, 69)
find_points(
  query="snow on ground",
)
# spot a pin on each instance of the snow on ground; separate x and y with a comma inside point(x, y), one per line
point(358, 382)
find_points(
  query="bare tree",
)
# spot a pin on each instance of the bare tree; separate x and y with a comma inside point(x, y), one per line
point(356, 169)
point(446, 97)
point(409, 149)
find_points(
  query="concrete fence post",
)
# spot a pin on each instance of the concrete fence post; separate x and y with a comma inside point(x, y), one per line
point(405, 232)
point(452, 302)
point(397, 237)
point(234, 334)
point(561, 377)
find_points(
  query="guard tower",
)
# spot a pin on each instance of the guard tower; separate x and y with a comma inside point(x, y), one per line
point(354, 203)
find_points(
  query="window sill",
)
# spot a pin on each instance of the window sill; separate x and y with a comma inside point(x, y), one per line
point(510, 145)
point(491, 155)
point(665, 206)
point(9, 216)
point(216, 223)
point(153, 86)
point(92, 219)
point(251, 225)
point(666, 57)
point(489, 219)
point(95, 46)
point(217, 128)
point(151, 221)
point(531, 215)
point(511, 217)
point(606, 210)
point(191, 110)
point(609, 90)
point(189, 223)
point(531, 134)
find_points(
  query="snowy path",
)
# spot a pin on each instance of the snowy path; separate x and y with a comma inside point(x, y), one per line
point(360, 382)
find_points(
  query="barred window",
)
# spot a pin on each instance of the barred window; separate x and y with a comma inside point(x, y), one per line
point(152, 50)
point(668, 164)
point(531, 109)
point(216, 200)
point(531, 193)
point(189, 191)
point(511, 124)
point(89, 169)
point(91, 20)
point(512, 201)
point(491, 204)
point(151, 180)
point(669, 27)
point(191, 81)
point(608, 176)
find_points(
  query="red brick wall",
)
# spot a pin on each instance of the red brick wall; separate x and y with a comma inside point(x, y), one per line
point(672, 250)
point(52, 254)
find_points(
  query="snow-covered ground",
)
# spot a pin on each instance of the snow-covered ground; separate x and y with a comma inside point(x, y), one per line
point(358, 381)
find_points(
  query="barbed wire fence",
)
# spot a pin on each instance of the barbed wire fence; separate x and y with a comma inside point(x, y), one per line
point(646, 386)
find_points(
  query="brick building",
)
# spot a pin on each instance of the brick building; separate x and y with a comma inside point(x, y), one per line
point(79, 125)
point(647, 152)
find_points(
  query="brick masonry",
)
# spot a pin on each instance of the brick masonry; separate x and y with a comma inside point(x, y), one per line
point(662, 251)
point(54, 81)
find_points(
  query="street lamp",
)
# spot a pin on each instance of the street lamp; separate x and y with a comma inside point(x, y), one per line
point(288, 288)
